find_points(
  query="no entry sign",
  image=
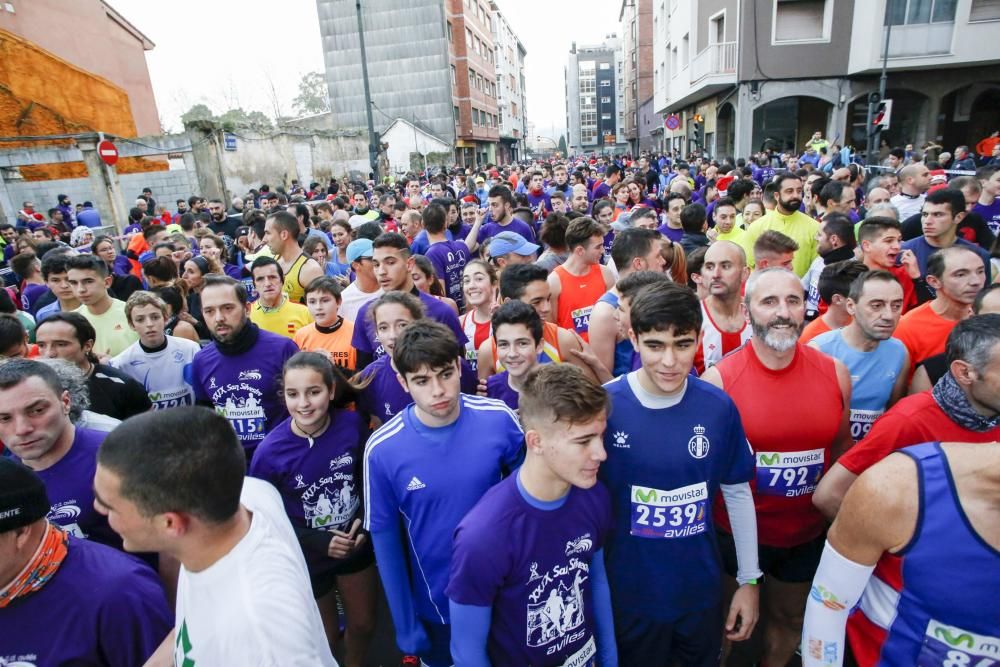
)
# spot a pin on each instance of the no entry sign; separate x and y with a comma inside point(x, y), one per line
point(107, 152)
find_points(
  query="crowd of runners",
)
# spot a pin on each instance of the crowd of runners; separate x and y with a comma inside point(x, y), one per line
point(598, 411)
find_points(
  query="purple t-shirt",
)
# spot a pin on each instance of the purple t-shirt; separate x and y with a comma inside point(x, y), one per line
point(491, 229)
point(244, 388)
point(601, 190)
point(449, 259)
point(991, 214)
point(30, 296)
point(319, 485)
point(498, 386)
point(385, 396)
point(70, 487)
point(673, 234)
point(542, 198)
point(530, 561)
point(101, 607)
point(365, 340)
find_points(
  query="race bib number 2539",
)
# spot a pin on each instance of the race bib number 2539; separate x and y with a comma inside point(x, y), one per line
point(680, 512)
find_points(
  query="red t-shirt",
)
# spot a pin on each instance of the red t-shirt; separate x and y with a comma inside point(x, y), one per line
point(791, 418)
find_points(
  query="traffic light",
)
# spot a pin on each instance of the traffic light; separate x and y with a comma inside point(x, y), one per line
point(697, 128)
point(882, 115)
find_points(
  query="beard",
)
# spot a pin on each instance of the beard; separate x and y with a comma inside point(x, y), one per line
point(779, 341)
point(219, 217)
point(791, 205)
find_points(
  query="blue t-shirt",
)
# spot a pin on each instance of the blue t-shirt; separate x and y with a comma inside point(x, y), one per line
point(101, 607)
point(873, 375)
point(498, 386)
point(244, 387)
point(923, 250)
point(449, 259)
point(385, 397)
point(663, 471)
point(491, 229)
point(426, 480)
point(320, 485)
point(365, 340)
point(530, 561)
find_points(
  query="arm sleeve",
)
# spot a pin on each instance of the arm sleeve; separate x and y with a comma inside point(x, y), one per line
point(392, 566)
point(743, 519)
point(607, 650)
point(837, 587)
point(470, 630)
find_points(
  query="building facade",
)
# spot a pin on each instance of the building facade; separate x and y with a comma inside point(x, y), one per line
point(593, 98)
point(636, 18)
point(769, 73)
point(509, 55)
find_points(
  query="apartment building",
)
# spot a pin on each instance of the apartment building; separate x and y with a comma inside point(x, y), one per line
point(593, 99)
point(769, 73)
point(509, 55)
point(636, 22)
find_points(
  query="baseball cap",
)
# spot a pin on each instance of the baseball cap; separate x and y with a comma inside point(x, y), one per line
point(356, 221)
point(505, 243)
point(480, 179)
point(358, 249)
point(173, 228)
point(23, 500)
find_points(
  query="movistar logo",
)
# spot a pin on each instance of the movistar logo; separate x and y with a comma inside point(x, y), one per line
point(955, 640)
point(770, 459)
point(645, 496)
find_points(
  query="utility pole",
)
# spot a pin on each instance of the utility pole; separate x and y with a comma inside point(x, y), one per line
point(875, 134)
point(373, 140)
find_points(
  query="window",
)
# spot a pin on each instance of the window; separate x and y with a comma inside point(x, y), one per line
point(454, 75)
point(605, 84)
point(985, 10)
point(472, 79)
point(475, 117)
point(513, 109)
point(457, 116)
point(911, 12)
point(685, 50)
point(605, 65)
point(605, 100)
point(449, 32)
point(468, 39)
point(717, 28)
point(605, 116)
point(802, 20)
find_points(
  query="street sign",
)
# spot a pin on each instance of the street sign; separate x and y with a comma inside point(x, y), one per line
point(107, 152)
point(672, 122)
point(229, 141)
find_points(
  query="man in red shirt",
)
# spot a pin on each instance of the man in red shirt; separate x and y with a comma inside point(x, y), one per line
point(880, 240)
point(964, 406)
point(794, 402)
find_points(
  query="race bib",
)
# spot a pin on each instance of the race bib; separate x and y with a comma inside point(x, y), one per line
point(162, 400)
point(789, 474)
point(581, 319)
point(584, 657)
point(680, 512)
point(248, 422)
point(861, 422)
point(948, 646)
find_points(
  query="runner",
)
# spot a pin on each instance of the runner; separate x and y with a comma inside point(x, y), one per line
point(281, 234)
point(365, 287)
point(581, 280)
point(273, 310)
point(119, 611)
point(834, 285)
point(89, 277)
point(479, 287)
point(528, 584)
point(879, 239)
point(517, 332)
point(936, 508)
point(769, 379)
point(787, 219)
point(313, 458)
point(240, 372)
point(161, 363)
point(877, 362)
point(404, 480)
point(724, 327)
point(329, 333)
point(448, 257)
point(673, 442)
point(183, 494)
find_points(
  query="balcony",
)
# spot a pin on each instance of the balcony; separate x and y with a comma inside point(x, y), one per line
point(713, 60)
point(920, 39)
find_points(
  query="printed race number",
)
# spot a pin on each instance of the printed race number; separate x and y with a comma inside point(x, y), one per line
point(789, 474)
point(948, 646)
point(680, 512)
point(861, 422)
point(581, 319)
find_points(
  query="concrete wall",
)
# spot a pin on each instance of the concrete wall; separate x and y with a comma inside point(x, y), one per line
point(95, 38)
point(404, 139)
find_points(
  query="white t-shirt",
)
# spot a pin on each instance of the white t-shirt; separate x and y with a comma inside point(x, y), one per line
point(254, 606)
point(166, 374)
point(907, 206)
point(353, 298)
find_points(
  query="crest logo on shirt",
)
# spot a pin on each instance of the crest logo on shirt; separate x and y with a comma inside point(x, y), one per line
point(211, 383)
point(27, 660)
point(534, 573)
point(698, 445)
point(178, 357)
point(67, 511)
point(299, 484)
point(251, 375)
point(388, 410)
point(620, 440)
point(341, 461)
point(415, 484)
point(580, 545)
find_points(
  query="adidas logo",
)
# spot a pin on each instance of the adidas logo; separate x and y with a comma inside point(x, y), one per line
point(415, 484)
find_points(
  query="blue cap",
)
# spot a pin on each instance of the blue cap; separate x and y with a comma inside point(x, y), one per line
point(505, 243)
point(358, 249)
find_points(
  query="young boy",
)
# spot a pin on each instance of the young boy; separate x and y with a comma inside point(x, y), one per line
point(517, 330)
point(329, 333)
point(55, 273)
point(90, 279)
point(409, 492)
point(528, 584)
point(161, 363)
point(672, 442)
point(448, 257)
point(29, 269)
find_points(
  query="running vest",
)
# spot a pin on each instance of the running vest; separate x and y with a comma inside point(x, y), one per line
point(716, 343)
point(550, 347)
point(475, 333)
point(791, 417)
point(873, 375)
point(293, 287)
point(577, 298)
point(945, 611)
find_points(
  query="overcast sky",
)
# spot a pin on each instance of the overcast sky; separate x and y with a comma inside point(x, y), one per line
point(228, 53)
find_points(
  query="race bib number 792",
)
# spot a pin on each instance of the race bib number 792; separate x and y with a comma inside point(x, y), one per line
point(789, 474)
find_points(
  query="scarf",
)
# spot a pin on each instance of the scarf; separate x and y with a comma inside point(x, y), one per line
point(43, 565)
point(243, 341)
point(953, 401)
